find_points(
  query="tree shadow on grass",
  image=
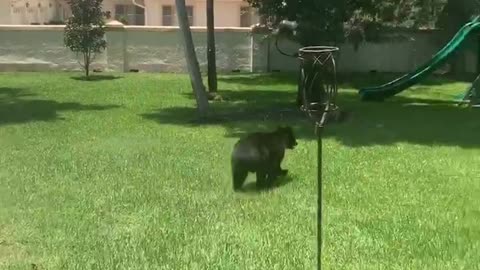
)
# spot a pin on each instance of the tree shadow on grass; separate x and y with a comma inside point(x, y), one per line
point(345, 80)
point(96, 78)
point(253, 96)
point(363, 80)
point(259, 79)
point(238, 116)
point(398, 120)
point(13, 93)
point(413, 121)
point(15, 108)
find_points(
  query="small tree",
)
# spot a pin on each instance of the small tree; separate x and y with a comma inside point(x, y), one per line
point(85, 30)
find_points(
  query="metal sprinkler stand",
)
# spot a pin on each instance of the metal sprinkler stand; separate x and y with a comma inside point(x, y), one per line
point(318, 92)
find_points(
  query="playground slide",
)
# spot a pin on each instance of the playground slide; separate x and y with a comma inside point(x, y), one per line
point(396, 86)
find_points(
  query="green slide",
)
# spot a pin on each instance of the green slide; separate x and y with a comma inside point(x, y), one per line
point(396, 86)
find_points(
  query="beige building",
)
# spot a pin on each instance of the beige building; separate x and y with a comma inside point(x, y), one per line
point(228, 13)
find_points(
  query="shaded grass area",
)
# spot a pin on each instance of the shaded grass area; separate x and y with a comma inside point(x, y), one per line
point(15, 108)
point(113, 174)
point(421, 115)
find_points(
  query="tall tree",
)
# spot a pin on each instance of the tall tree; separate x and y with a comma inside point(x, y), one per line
point(212, 65)
point(318, 21)
point(192, 61)
point(326, 21)
point(456, 13)
point(85, 30)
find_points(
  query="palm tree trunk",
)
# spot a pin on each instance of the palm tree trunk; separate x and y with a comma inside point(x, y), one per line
point(192, 61)
point(212, 65)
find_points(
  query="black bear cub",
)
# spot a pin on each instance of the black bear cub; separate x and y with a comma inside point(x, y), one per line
point(261, 153)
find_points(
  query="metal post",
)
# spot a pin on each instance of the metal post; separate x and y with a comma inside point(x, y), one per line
point(318, 97)
point(319, 196)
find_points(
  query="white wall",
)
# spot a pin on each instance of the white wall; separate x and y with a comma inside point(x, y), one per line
point(153, 49)
point(34, 48)
point(109, 5)
point(163, 51)
point(21, 14)
point(227, 12)
point(154, 10)
point(160, 49)
point(5, 17)
point(404, 55)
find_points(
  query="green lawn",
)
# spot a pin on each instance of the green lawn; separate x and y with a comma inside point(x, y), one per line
point(113, 174)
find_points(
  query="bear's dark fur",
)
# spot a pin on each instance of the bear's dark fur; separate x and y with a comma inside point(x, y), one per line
point(261, 153)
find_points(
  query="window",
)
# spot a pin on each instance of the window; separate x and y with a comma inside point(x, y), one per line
point(167, 15)
point(130, 14)
point(190, 15)
point(245, 17)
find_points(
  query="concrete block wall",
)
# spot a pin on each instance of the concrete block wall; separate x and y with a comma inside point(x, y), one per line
point(160, 49)
point(151, 49)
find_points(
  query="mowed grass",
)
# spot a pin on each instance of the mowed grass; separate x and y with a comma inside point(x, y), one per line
point(113, 174)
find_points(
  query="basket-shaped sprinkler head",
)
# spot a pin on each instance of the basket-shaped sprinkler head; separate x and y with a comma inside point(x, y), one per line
point(318, 81)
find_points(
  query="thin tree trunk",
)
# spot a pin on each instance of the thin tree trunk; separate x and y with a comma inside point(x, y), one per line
point(212, 65)
point(86, 62)
point(192, 61)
